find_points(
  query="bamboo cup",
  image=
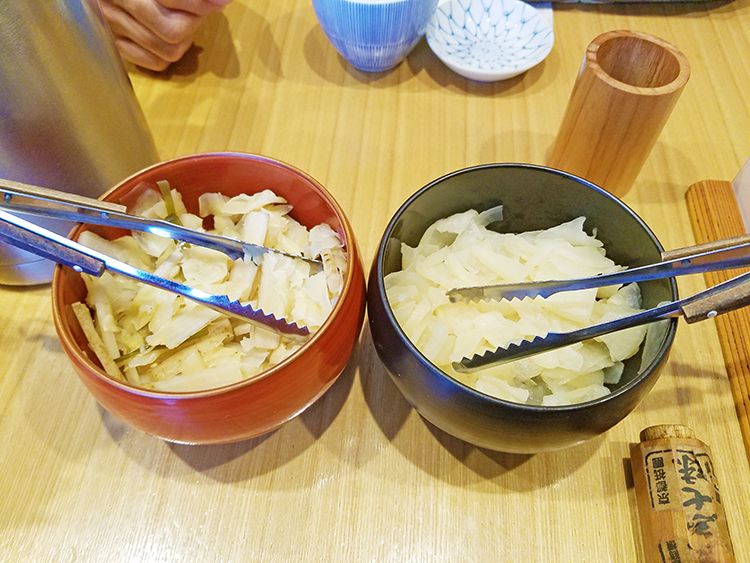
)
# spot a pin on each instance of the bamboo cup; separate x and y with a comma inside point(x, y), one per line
point(626, 88)
point(679, 506)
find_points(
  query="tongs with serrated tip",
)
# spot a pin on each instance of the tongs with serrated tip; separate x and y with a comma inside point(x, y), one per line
point(709, 257)
point(47, 244)
point(721, 298)
point(44, 202)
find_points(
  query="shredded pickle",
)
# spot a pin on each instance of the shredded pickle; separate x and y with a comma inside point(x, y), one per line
point(460, 251)
point(163, 341)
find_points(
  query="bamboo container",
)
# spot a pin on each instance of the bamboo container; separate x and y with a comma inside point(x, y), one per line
point(627, 87)
point(679, 506)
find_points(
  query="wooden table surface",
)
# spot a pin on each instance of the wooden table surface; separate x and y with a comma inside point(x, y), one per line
point(360, 476)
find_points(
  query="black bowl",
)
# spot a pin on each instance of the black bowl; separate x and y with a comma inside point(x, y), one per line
point(533, 197)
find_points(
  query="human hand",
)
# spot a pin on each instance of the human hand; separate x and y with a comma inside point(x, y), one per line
point(155, 33)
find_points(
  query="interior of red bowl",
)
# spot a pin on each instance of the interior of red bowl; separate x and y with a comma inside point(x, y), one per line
point(228, 173)
point(233, 174)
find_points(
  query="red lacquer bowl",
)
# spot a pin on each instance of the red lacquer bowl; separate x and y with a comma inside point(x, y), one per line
point(249, 408)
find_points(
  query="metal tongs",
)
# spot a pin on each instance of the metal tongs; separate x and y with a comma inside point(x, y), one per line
point(721, 298)
point(38, 201)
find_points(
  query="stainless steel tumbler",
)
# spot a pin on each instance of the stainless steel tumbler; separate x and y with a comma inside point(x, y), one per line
point(69, 119)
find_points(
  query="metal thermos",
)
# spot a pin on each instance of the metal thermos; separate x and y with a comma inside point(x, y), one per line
point(69, 119)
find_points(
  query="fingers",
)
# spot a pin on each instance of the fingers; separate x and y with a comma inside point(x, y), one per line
point(155, 33)
point(197, 7)
point(171, 26)
point(137, 55)
point(139, 43)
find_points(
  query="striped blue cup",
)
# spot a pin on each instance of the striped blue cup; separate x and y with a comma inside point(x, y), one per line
point(374, 35)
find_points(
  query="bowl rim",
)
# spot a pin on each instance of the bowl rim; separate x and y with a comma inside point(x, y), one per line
point(459, 65)
point(350, 244)
point(591, 58)
point(663, 349)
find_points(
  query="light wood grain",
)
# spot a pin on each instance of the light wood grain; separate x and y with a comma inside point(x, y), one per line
point(360, 476)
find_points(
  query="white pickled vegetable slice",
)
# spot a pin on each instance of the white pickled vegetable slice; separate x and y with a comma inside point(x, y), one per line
point(154, 245)
point(624, 344)
point(203, 266)
point(182, 326)
point(191, 221)
point(146, 200)
point(613, 373)
point(501, 389)
point(241, 282)
point(225, 226)
point(217, 376)
point(244, 204)
point(571, 232)
point(253, 359)
point(490, 215)
point(576, 306)
point(253, 227)
point(211, 204)
point(274, 288)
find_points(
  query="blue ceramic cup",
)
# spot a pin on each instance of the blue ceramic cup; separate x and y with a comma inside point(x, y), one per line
point(374, 35)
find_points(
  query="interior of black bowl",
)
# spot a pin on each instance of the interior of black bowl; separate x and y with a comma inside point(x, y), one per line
point(534, 198)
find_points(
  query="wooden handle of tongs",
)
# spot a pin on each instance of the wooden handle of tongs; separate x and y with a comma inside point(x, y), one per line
point(721, 298)
point(705, 247)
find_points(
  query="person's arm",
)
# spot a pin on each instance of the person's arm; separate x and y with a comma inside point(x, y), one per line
point(155, 33)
